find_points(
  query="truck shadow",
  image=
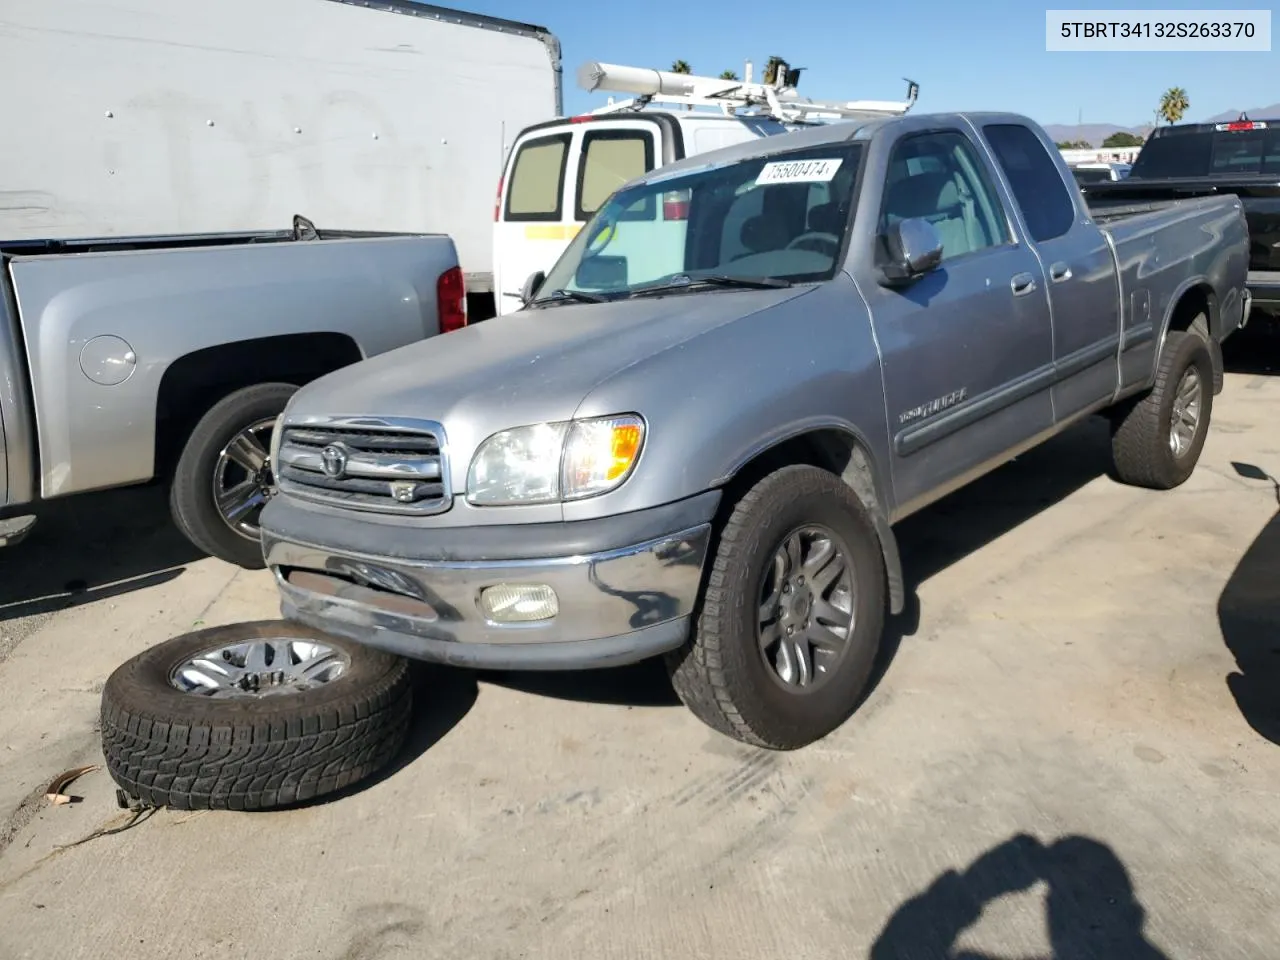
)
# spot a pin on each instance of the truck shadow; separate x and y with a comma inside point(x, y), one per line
point(1090, 906)
point(92, 547)
point(1255, 349)
point(929, 541)
point(1249, 617)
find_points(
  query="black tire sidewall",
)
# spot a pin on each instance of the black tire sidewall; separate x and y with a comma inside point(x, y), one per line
point(140, 687)
point(766, 704)
point(193, 506)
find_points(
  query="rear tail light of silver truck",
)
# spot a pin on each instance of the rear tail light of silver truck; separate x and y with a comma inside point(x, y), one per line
point(451, 300)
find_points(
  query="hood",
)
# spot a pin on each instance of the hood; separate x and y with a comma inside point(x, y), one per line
point(524, 367)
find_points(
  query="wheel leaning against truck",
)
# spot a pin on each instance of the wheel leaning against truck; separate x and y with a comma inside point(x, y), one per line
point(792, 614)
point(1156, 440)
point(252, 716)
point(223, 478)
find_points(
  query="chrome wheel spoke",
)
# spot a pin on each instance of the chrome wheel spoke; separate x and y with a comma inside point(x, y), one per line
point(248, 452)
point(831, 616)
point(769, 635)
point(794, 662)
point(1189, 389)
point(792, 548)
point(235, 504)
point(829, 573)
point(823, 638)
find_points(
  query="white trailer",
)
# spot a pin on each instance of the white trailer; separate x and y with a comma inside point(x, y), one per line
point(155, 117)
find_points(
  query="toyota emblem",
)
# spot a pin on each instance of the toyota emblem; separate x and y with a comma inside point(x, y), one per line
point(334, 460)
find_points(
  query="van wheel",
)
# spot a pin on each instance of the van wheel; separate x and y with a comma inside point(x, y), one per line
point(252, 716)
point(792, 615)
point(223, 478)
point(1156, 441)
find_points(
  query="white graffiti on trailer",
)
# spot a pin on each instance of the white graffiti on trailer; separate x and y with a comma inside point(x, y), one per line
point(338, 160)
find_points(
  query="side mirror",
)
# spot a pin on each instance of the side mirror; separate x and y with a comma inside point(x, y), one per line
point(915, 248)
point(531, 286)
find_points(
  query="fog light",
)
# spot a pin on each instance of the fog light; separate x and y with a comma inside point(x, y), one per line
point(519, 602)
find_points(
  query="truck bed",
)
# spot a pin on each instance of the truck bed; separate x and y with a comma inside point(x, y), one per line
point(96, 334)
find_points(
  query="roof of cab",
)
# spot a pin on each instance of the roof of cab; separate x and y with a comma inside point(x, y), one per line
point(838, 131)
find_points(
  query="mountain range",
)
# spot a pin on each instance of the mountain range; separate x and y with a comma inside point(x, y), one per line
point(1095, 133)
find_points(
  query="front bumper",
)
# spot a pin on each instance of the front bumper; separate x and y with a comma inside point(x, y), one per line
point(618, 603)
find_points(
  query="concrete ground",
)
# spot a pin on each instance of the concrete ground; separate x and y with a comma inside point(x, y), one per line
point(1072, 752)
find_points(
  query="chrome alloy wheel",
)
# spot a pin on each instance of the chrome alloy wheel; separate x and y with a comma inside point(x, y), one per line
point(806, 615)
point(260, 668)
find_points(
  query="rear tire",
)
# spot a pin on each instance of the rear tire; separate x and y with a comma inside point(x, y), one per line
point(236, 428)
point(169, 747)
point(1156, 441)
point(748, 680)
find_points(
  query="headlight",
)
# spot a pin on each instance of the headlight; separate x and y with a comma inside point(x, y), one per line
point(550, 462)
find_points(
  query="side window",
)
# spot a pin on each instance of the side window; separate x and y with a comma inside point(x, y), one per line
point(537, 179)
point(938, 177)
point(609, 159)
point(1034, 178)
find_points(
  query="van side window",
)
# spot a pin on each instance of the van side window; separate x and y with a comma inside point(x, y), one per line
point(611, 158)
point(1034, 178)
point(537, 179)
point(938, 177)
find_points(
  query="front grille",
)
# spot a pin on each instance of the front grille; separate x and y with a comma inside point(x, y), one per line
point(384, 468)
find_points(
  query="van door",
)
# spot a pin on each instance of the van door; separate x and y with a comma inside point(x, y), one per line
point(557, 177)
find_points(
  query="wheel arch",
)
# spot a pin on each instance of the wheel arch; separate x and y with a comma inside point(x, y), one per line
point(194, 382)
point(1193, 298)
point(839, 448)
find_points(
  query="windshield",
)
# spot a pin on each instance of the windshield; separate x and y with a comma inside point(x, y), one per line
point(767, 221)
point(1204, 153)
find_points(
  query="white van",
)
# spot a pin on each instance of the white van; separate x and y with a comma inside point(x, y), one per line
point(558, 173)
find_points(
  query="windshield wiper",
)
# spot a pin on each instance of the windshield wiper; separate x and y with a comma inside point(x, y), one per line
point(569, 296)
point(684, 282)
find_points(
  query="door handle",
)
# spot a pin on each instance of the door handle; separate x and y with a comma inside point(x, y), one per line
point(1059, 272)
point(1022, 284)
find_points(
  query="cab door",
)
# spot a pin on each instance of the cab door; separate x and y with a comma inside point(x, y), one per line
point(556, 178)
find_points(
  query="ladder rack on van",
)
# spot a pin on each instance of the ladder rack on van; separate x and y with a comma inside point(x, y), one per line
point(777, 99)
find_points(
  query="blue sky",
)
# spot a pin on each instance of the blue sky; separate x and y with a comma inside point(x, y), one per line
point(965, 54)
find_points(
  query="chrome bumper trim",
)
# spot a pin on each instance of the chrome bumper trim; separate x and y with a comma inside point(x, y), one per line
point(602, 595)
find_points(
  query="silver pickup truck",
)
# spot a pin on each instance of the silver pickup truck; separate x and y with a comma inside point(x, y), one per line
point(695, 439)
point(128, 360)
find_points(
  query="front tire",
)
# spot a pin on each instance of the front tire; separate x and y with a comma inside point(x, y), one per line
point(223, 478)
point(791, 620)
point(1156, 441)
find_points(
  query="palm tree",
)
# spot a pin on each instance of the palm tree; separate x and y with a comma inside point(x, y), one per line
point(728, 75)
point(681, 66)
point(1174, 104)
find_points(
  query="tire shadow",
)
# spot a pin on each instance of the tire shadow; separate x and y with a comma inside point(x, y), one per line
point(1091, 909)
point(92, 547)
point(442, 697)
point(1249, 617)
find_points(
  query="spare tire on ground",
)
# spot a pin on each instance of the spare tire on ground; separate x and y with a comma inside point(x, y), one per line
point(252, 716)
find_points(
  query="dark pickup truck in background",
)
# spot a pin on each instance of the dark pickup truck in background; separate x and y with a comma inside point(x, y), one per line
point(1208, 159)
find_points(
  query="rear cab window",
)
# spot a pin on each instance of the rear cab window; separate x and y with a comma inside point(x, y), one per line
point(1037, 185)
point(1209, 152)
point(536, 188)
